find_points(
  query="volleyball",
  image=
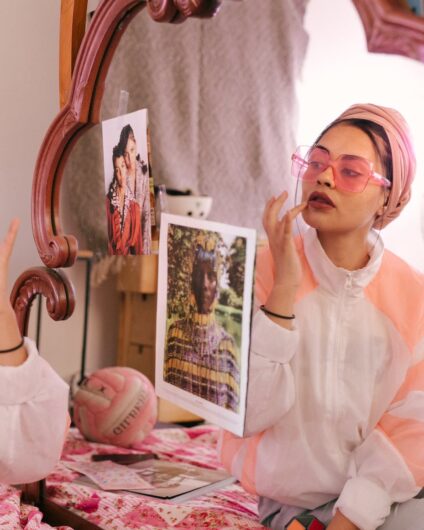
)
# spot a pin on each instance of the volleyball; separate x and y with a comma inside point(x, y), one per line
point(115, 405)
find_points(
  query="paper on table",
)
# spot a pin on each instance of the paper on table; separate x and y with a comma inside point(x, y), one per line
point(110, 476)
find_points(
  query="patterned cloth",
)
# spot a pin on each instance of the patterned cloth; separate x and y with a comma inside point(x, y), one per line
point(201, 357)
point(142, 196)
point(230, 508)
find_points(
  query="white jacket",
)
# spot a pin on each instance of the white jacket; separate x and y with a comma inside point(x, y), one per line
point(33, 418)
point(336, 406)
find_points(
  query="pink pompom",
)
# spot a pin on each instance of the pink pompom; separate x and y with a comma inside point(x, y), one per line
point(115, 405)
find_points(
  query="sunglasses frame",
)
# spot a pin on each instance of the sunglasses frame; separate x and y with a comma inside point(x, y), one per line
point(373, 178)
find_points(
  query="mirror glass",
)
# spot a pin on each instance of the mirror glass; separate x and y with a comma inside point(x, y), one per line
point(222, 110)
point(229, 98)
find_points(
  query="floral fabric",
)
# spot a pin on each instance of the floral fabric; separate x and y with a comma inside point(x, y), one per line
point(230, 508)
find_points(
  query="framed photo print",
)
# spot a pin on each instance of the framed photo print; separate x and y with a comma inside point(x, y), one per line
point(205, 290)
point(129, 188)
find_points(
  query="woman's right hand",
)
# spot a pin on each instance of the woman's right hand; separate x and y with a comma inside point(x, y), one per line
point(288, 270)
point(6, 247)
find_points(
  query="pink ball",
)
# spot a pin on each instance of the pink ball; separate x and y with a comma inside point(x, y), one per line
point(115, 405)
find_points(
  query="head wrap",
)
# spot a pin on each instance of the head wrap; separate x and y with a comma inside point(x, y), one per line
point(402, 154)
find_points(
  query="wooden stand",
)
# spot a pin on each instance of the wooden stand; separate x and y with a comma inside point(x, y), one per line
point(137, 282)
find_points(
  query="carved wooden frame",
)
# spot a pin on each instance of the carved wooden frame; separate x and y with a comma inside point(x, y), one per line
point(391, 27)
point(80, 112)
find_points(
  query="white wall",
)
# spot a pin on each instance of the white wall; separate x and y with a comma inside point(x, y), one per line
point(29, 100)
point(338, 71)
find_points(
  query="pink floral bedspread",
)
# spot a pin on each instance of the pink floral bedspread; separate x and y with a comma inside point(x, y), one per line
point(229, 508)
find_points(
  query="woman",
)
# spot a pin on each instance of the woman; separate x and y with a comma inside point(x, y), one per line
point(201, 357)
point(336, 387)
point(138, 182)
point(123, 212)
point(33, 398)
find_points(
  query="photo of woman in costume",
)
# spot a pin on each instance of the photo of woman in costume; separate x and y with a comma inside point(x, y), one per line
point(123, 212)
point(138, 182)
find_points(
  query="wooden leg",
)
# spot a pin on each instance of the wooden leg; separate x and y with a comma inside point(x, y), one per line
point(125, 319)
point(56, 515)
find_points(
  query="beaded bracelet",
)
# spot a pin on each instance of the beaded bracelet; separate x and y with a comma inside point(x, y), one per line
point(268, 312)
point(14, 348)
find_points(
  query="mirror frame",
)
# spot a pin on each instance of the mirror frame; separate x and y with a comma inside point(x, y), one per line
point(391, 27)
point(82, 111)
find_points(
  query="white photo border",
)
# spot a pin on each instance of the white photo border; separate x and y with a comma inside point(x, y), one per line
point(111, 130)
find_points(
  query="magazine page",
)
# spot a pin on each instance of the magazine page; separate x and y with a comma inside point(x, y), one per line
point(173, 479)
point(129, 190)
point(205, 287)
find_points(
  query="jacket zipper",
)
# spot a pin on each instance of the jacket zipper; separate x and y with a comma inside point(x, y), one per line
point(341, 311)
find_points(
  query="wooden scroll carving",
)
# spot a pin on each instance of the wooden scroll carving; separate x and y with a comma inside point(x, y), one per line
point(53, 285)
point(178, 10)
point(60, 303)
point(391, 27)
point(82, 111)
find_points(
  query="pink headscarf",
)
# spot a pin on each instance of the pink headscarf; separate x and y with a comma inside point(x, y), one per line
point(402, 153)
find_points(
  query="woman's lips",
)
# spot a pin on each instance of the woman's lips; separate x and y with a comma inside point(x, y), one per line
point(320, 201)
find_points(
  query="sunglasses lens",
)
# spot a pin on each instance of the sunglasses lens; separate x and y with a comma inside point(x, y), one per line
point(309, 162)
point(351, 173)
point(301, 163)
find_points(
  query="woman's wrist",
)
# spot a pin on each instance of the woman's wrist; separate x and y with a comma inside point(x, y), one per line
point(281, 299)
point(12, 350)
point(340, 522)
point(281, 302)
point(10, 338)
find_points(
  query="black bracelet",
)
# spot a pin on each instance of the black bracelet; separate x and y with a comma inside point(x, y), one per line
point(14, 348)
point(268, 312)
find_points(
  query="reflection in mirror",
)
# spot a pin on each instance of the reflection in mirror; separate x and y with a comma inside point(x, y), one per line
point(339, 71)
point(222, 110)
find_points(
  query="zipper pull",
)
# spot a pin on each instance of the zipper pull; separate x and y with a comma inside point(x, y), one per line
point(348, 283)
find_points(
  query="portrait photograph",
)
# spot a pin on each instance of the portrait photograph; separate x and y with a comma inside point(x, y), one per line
point(205, 288)
point(129, 190)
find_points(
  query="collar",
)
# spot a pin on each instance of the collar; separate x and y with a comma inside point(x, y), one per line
point(334, 278)
point(204, 319)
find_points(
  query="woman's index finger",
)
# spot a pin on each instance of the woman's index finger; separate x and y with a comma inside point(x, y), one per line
point(8, 242)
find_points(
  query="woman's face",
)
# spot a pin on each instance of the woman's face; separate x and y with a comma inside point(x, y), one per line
point(334, 210)
point(130, 154)
point(120, 171)
point(205, 286)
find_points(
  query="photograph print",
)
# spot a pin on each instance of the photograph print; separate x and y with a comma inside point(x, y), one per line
point(128, 184)
point(203, 317)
